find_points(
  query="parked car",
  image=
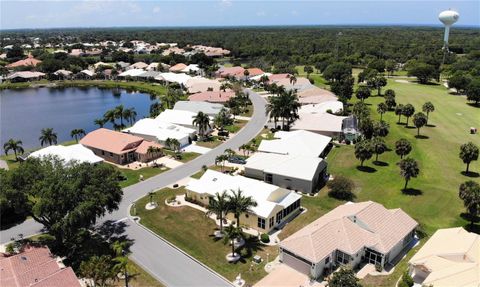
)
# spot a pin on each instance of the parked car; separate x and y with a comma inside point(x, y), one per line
point(236, 159)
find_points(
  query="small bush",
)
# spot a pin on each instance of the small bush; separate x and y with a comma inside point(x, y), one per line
point(347, 141)
point(341, 188)
point(172, 198)
point(264, 238)
point(329, 111)
point(407, 280)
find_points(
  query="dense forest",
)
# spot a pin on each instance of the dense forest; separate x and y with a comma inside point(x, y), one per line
point(300, 45)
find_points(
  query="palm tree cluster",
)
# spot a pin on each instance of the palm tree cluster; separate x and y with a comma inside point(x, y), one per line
point(284, 106)
point(202, 122)
point(76, 133)
point(119, 112)
point(239, 103)
point(15, 146)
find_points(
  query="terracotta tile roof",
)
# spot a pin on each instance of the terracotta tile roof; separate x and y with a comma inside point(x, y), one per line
point(35, 267)
point(255, 72)
point(111, 141)
point(275, 77)
point(212, 97)
point(30, 61)
point(349, 228)
point(178, 67)
point(231, 71)
point(143, 147)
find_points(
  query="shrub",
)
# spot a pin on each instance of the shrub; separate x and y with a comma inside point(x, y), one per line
point(341, 188)
point(347, 141)
point(407, 280)
point(329, 111)
point(264, 238)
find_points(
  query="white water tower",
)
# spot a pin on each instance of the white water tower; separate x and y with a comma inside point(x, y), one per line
point(448, 18)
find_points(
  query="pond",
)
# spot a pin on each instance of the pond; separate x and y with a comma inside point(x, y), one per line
point(25, 112)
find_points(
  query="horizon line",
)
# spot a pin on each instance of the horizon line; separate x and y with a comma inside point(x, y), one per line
point(359, 25)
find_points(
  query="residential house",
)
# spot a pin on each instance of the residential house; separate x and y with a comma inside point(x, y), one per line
point(179, 117)
point(30, 61)
point(200, 84)
point(347, 236)
point(320, 123)
point(25, 76)
point(225, 72)
point(213, 96)
point(159, 131)
point(275, 205)
point(35, 267)
point(293, 160)
point(76, 152)
point(63, 74)
point(451, 257)
point(210, 109)
point(138, 65)
point(116, 147)
point(177, 68)
point(179, 78)
point(131, 73)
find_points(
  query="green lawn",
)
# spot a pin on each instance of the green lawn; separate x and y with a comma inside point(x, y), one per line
point(188, 229)
point(248, 111)
point(138, 277)
point(211, 142)
point(316, 76)
point(237, 126)
point(186, 156)
point(133, 176)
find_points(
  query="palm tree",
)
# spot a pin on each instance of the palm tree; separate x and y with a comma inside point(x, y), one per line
point(172, 144)
point(469, 192)
point(154, 151)
point(48, 136)
point(293, 79)
point(427, 108)
point(130, 115)
point(381, 109)
point(99, 122)
point(229, 152)
point(119, 112)
point(224, 86)
point(240, 204)
point(202, 121)
point(172, 96)
point(288, 106)
point(218, 205)
point(15, 145)
point(156, 108)
point(75, 133)
point(121, 259)
point(232, 233)
point(408, 169)
point(468, 153)
point(273, 109)
point(109, 116)
point(220, 159)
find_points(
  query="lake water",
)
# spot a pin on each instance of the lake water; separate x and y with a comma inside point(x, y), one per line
point(25, 112)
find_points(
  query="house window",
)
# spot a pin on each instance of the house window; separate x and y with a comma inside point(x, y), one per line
point(103, 153)
point(327, 260)
point(268, 178)
point(111, 154)
point(279, 217)
point(261, 223)
point(271, 221)
point(343, 258)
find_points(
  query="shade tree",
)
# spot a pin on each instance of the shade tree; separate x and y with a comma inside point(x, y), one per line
point(419, 120)
point(468, 153)
point(408, 169)
point(363, 151)
point(402, 147)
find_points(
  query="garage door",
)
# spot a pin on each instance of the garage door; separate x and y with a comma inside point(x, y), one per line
point(296, 263)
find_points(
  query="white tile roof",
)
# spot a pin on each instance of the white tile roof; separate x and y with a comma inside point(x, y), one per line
point(179, 78)
point(263, 193)
point(319, 122)
point(195, 107)
point(295, 166)
point(76, 152)
point(349, 228)
point(132, 73)
point(452, 258)
point(160, 129)
point(334, 106)
point(296, 143)
point(179, 117)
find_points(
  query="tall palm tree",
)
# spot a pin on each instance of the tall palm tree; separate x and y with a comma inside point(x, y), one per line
point(218, 205)
point(240, 204)
point(232, 233)
point(293, 80)
point(156, 108)
point(110, 116)
point(15, 145)
point(130, 115)
point(202, 121)
point(75, 133)
point(118, 112)
point(154, 151)
point(48, 136)
point(273, 109)
point(99, 122)
point(172, 96)
point(224, 86)
point(172, 144)
point(220, 159)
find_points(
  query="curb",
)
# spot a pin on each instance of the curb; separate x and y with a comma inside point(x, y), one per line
point(178, 249)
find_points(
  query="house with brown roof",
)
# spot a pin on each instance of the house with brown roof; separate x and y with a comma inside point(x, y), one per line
point(177, 68)
point(29, 61)
point(35, 267)
point(117, 147)
point(212, 96)
point(225, 72)
point(349, 235)
point(451, 257)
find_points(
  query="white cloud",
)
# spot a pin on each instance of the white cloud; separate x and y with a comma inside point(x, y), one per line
point(156, 9)
point(261, 13)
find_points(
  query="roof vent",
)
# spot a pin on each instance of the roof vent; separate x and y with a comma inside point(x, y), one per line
point(23, 258)
point(215, 179)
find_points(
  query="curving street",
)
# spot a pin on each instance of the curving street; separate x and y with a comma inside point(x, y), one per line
point(165, 262)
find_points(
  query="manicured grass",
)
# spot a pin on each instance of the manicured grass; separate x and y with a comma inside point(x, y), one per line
point(133, 176)
point(188, 229)
point(186, 156)
point(138, 277)
point(211, 142)
point(248, 111)
point(237, 126)
point(315, 76)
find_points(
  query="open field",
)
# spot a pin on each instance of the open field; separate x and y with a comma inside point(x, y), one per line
point(188, 229)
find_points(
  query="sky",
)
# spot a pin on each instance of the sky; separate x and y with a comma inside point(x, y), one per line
point(132, 13)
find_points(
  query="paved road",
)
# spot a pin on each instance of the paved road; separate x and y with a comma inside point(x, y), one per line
point(163, 261)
